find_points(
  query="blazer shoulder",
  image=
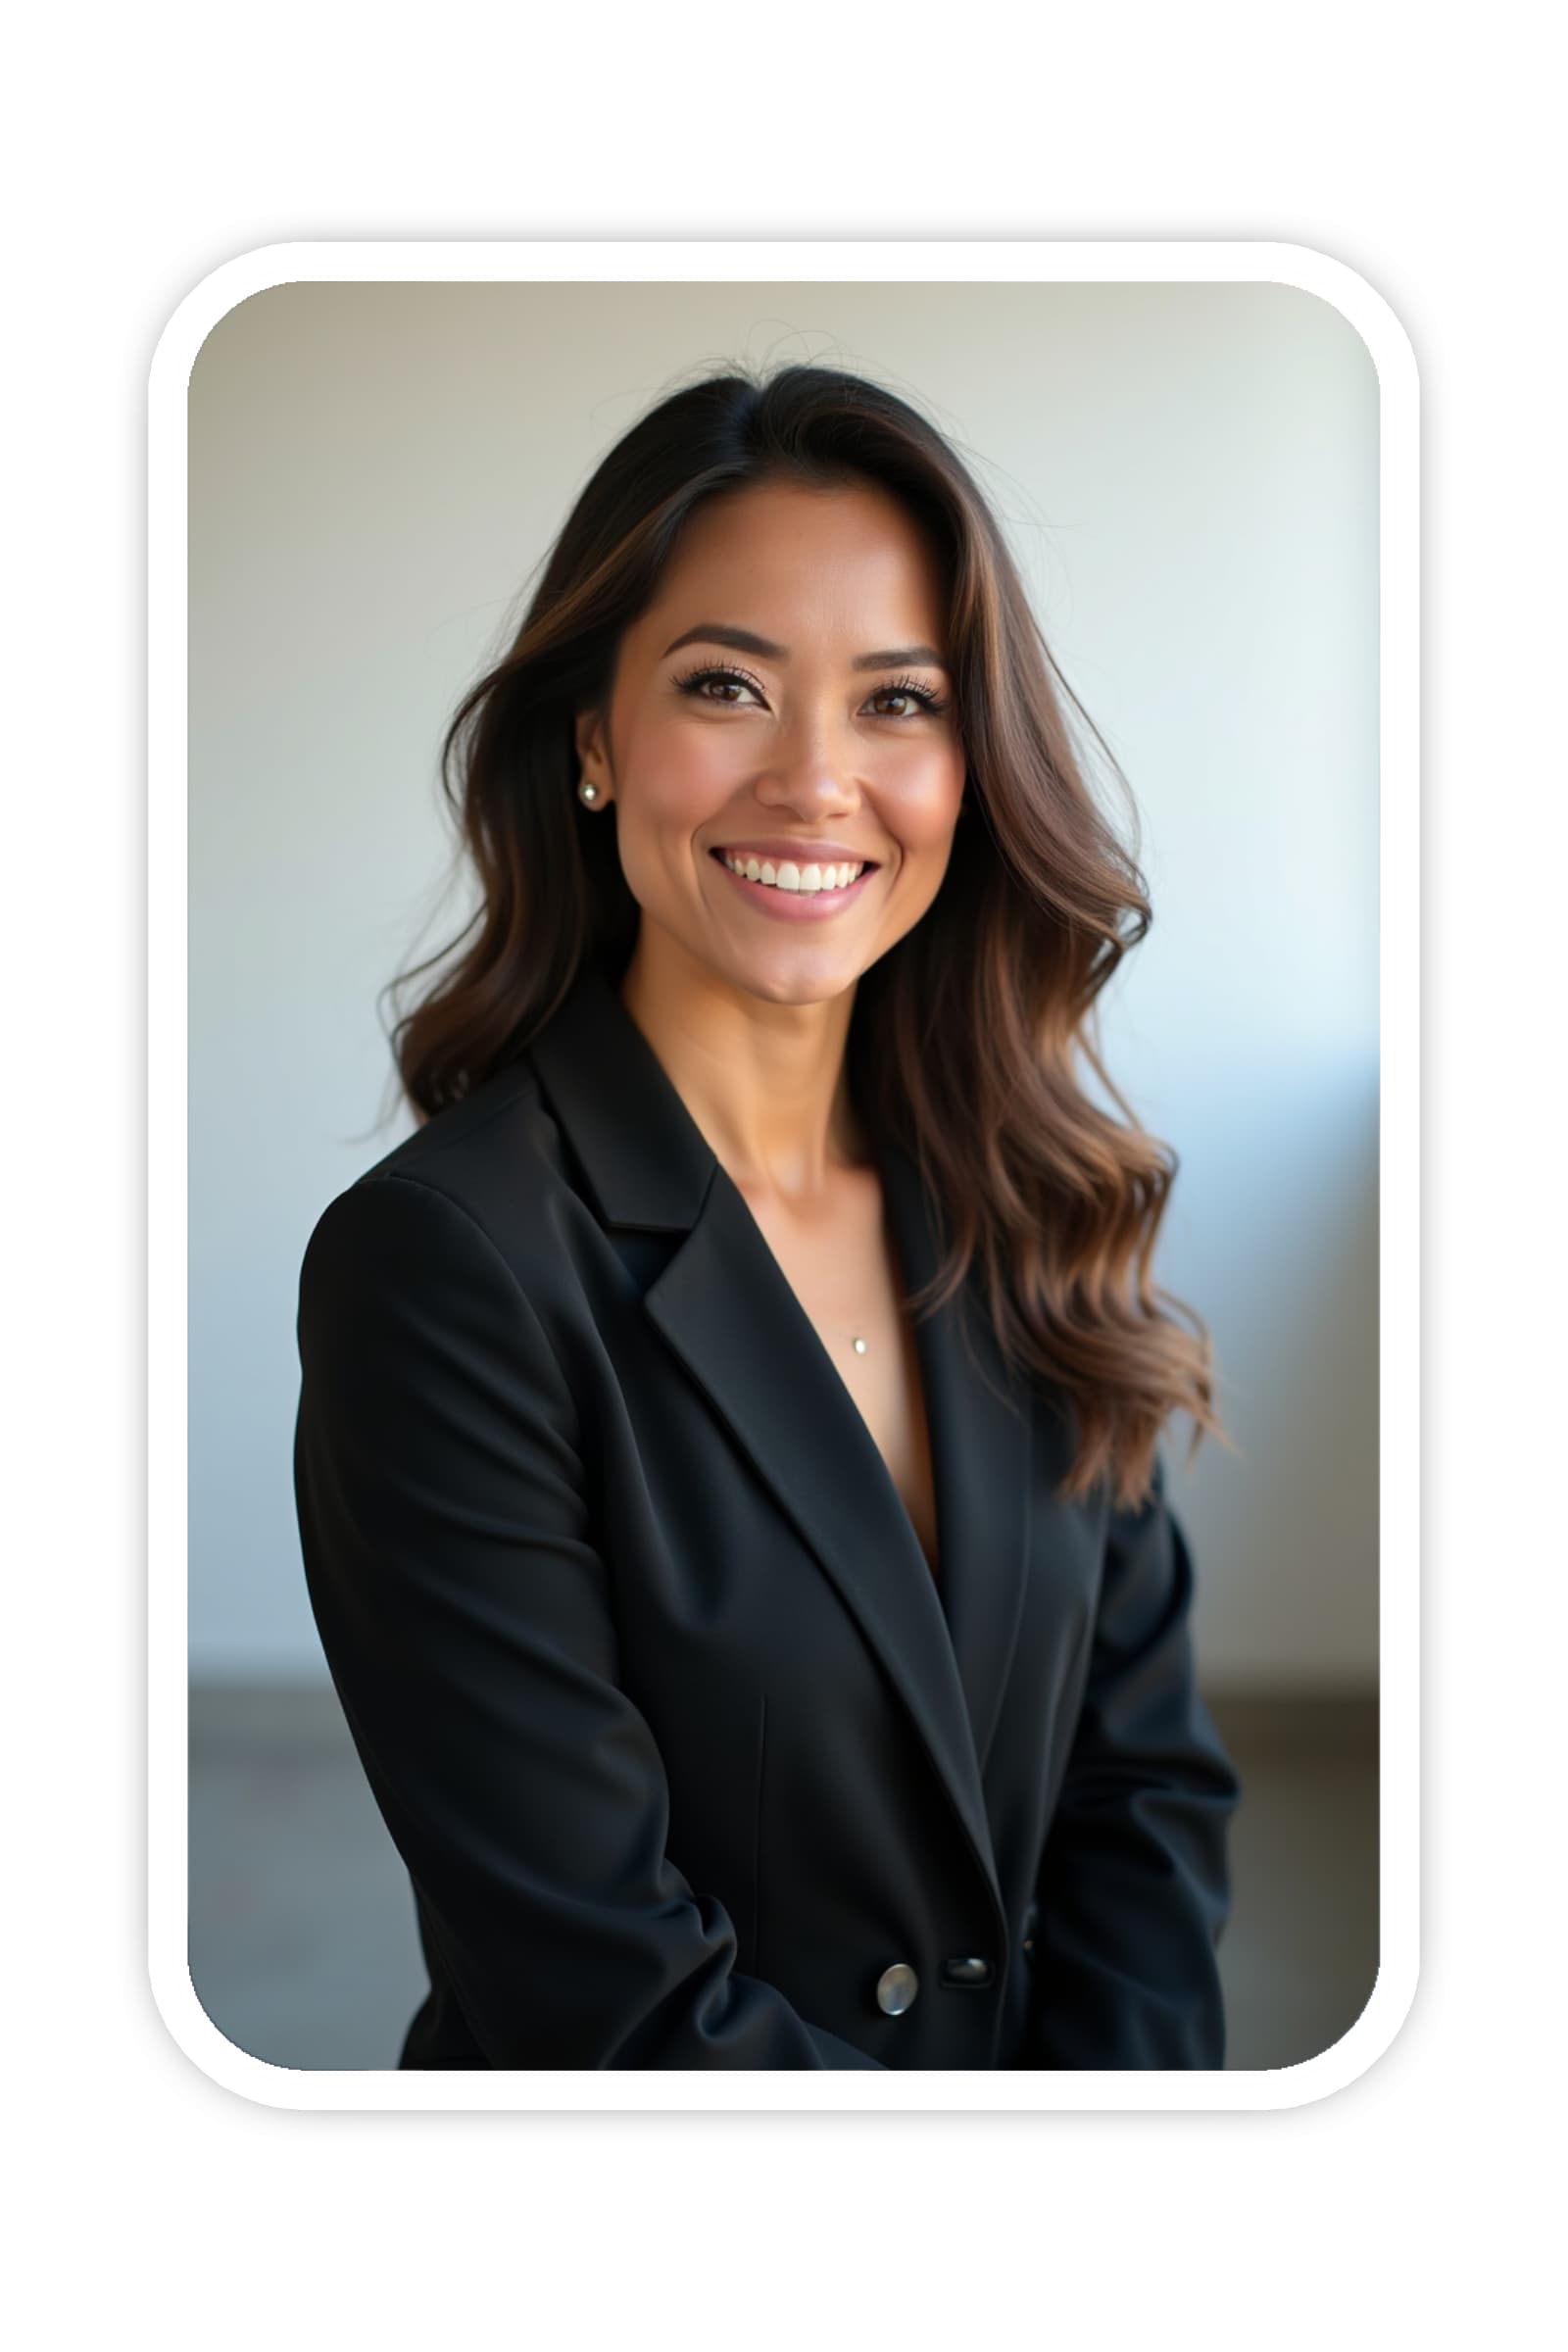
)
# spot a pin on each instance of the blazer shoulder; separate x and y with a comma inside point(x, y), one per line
point(499, 1157)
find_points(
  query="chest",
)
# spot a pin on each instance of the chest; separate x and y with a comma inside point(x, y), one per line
point(843, 1269)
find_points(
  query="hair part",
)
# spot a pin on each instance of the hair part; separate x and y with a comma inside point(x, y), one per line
point(972, 1037)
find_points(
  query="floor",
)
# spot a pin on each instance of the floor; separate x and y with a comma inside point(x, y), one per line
point(302, 1940)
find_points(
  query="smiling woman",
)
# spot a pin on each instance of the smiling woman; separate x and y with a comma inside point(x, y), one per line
point(726, 1456)
point(818, 755)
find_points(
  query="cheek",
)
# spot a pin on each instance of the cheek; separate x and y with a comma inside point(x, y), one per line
point(672, 783)
point(927, 799)
point(679, 777)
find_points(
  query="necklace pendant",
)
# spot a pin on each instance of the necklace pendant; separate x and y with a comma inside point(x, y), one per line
point(859, 1346)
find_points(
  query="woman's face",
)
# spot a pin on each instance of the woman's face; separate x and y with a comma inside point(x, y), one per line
point(784, 697)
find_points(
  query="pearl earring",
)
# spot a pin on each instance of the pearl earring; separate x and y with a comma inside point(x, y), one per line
point(587, 792)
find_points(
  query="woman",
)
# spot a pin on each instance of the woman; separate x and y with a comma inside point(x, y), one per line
point(726, 1450)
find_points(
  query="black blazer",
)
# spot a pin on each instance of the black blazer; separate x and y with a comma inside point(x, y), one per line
point(689, 1760)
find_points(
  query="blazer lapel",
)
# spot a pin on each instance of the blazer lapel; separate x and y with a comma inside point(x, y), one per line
point(724, 1307)
point(981, 1436)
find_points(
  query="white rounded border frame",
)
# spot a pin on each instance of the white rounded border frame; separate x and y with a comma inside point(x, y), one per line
point(1027, 261)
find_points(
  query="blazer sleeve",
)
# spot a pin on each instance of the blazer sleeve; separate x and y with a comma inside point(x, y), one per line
point(1134, 1885)
point(466, 1620)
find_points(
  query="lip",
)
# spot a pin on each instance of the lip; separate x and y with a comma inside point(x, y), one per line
point(777, 846)
point(795, 905)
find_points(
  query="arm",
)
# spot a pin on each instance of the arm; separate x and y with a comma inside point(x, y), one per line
point(1132, 1889)
point(465, 1617)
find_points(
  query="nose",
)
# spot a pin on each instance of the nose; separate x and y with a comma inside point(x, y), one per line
point(810, 775)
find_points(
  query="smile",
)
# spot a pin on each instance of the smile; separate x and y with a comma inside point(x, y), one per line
point(792, 897)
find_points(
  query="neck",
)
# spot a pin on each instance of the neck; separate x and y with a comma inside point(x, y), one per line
point(764, 1082)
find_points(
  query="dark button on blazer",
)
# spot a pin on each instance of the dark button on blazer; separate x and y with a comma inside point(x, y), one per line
point(691, 1761)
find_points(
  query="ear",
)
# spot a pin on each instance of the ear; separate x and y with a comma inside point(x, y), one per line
point(593, 759)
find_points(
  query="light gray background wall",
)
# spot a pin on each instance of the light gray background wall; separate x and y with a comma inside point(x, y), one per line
point(1188, 475)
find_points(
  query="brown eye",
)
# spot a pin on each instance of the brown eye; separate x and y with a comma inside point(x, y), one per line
point(912, 690)
point(694, 680)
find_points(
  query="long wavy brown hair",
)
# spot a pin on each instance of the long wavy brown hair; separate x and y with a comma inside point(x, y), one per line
point(971, 1036)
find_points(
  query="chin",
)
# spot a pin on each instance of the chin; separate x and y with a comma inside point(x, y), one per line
point(795, 989)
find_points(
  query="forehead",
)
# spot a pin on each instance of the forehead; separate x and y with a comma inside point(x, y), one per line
point(846, 557)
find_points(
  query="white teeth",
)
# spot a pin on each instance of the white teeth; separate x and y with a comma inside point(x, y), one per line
point(789, 876)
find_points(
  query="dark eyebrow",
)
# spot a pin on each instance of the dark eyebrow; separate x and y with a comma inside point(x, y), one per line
point(747, 641)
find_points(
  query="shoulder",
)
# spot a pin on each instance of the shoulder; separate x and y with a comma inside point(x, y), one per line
point(488, 1178)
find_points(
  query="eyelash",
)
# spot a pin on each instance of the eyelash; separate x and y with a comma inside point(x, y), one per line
point(692, 679)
